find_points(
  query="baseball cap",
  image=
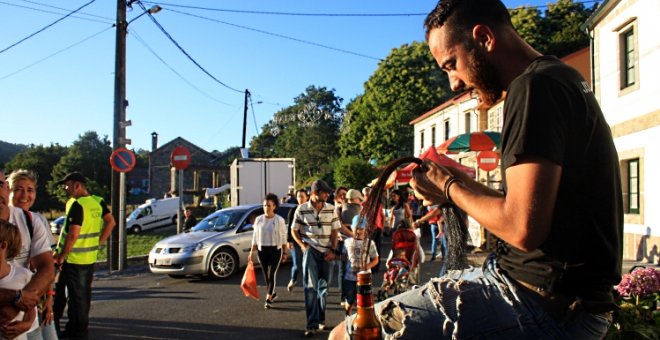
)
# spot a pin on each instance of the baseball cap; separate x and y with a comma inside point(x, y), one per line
point(74, 176)
point(359, 222)
point(352, 193)
point(321, 185)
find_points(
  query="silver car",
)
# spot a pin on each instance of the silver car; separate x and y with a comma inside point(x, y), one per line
point(218, 246)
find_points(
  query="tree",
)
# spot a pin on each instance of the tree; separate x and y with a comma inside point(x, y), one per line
point(353, 172)
point(227, 157)
point(558, 31)
point(90, 156)
point(405, 85)
point(314, 146)
point(41, 160)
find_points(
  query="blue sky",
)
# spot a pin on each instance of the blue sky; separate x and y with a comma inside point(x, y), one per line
point(60, 83)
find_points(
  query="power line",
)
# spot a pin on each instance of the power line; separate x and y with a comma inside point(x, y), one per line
point(57, 13)
point(256, 131)
point(277, 35)
point(54, 54)
point(292, 13)
point(184, 51)
point(323, 14)
point(47, 26)
point(66, 10)
point(141, 41)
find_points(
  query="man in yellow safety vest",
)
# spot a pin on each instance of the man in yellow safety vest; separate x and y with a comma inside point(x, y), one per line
point(87, 226)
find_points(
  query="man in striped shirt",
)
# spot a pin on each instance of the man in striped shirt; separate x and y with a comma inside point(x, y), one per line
point(315, 229)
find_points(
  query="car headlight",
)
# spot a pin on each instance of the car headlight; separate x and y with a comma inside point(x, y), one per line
point(195, 247)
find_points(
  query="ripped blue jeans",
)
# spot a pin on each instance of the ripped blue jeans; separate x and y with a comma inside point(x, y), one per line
point(478, 303)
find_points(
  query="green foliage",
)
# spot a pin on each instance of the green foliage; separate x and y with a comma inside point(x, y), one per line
point(406, 84)
point(41, 160)
point(141, 158)
point(314, 147)
point(353, 172)
point(227, 156)
point(90, 156)
point(557, 32)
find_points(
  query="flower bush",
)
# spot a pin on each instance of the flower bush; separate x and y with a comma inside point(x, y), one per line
point(638, 316)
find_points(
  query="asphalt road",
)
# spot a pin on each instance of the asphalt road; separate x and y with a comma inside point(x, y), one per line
point(138, 304)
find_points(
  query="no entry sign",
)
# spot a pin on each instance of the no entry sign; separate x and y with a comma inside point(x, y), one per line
point(180, 157)
point(122, 160)
point(488, 160)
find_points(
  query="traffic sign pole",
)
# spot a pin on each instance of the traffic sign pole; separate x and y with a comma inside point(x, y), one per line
point(122, 161)
point(179, 219)
point(122, 221)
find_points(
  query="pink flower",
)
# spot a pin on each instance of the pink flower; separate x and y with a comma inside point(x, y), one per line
point(639, 283)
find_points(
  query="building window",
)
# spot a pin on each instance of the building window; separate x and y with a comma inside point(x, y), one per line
point(631, 189)
point(468, 126)
point(446, 135)
point(421, 140)
point(433, 135)
point(628, 56)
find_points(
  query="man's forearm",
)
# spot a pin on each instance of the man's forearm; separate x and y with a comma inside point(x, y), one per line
point(108, 226)
point(42, 279)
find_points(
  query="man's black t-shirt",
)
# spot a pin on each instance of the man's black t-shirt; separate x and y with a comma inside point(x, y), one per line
point(551, 112)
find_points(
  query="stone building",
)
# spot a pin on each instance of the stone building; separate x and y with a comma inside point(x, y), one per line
point(203, 172)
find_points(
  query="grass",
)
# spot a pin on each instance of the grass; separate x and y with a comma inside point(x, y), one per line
point(142, 243)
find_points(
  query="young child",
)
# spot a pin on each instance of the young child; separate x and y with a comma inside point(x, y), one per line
point(397, 269)
point(14, 278)
point(352, 254)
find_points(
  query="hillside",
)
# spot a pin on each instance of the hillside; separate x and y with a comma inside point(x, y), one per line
point(8, 151)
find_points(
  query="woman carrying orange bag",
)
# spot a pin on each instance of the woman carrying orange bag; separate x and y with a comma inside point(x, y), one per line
point(269, 239)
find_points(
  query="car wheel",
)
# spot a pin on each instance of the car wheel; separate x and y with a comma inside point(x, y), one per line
point(174, 276)
point(136, 229)
point(223, 264)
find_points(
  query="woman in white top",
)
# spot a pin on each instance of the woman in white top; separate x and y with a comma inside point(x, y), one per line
point(269, 239)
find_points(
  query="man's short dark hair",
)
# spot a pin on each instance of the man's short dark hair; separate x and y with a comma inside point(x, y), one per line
point(459, 16)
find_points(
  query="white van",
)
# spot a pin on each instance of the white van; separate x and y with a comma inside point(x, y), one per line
point(153, 213)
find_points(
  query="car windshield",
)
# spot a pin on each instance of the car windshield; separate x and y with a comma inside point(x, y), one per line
point(220, 221)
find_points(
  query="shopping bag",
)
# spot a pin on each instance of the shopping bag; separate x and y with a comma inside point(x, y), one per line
point(249, 282)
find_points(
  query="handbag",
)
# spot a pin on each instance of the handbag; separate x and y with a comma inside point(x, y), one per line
point(249, 282)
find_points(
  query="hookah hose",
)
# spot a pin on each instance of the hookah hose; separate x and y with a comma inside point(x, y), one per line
point(456, 229)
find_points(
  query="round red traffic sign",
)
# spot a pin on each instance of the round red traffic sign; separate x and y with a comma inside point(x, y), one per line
point(488, 160)
point(122, 160)
point(180, 157)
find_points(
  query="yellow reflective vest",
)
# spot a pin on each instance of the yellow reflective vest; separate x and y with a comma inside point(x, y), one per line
point(86, 248)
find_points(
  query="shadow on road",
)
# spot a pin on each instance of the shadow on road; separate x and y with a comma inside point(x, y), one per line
point(116, 328)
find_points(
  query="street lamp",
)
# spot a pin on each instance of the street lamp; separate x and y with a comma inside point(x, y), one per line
point(119, 139)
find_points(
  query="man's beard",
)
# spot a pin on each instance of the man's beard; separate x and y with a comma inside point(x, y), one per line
point(484, 79)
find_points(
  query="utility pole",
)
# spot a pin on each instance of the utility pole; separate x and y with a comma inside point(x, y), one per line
point(119, 131)
point(245, 114)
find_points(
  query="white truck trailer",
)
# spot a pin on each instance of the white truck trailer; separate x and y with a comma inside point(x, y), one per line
point(252, 178)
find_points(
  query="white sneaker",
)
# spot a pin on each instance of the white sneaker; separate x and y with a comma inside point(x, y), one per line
point(290, 286)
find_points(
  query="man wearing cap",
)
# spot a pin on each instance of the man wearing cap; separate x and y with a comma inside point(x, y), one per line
point(87, 226)
point(315, 230)
point(35, 247)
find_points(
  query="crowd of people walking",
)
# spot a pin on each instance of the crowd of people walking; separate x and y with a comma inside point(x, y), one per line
point(325, 240)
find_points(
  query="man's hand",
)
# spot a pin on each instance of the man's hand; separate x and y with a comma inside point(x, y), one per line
point(329, 255)
point(7, 313)
point(428, 182)
point(29, 299)
point(16, 328)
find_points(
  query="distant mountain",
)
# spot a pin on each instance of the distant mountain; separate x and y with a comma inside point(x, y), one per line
point(8, 151)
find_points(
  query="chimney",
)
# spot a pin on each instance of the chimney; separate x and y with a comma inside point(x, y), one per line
point(154, 141)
